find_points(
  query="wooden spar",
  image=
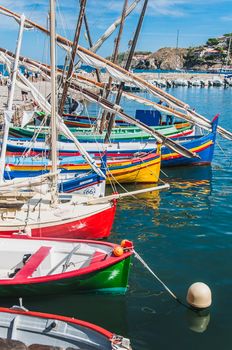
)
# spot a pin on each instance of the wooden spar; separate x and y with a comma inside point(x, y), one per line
point(73, 55)
point(109, 31)
point(117, 110)
point(54, 189)
point(47, 69)
point(225, 133)
point(113, 27)
point(206, 124)
point(109, 106)
point(118, 39)
point(69, 43)
point(20, 182)
point(127, 67)
point(114, 60)
point(127, 194)
point(62, 127)
point(91, 44)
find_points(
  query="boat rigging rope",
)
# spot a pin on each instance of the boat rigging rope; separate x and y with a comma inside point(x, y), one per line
point(218, 144)
point(159, 280)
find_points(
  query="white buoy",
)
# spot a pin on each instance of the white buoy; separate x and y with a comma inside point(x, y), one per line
point(199, 295)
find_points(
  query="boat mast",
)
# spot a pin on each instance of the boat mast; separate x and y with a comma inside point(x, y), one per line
point(9, 112)
point(72, 59)
point(127, 67)
point(177, 46)
point(91, 44)
point(114, 60)
point(228, 52)
point(54, 192)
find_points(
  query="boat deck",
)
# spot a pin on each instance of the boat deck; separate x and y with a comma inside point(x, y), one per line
point(40, 259)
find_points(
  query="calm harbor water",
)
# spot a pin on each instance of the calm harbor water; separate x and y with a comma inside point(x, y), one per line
point(185, 235)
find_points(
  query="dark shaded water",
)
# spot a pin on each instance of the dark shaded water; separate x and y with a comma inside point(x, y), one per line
point(185, 235)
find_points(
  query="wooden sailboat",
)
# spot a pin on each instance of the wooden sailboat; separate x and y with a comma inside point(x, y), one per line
point(96, 61)
point(32, 266)
point(60, 215)
point(20, 327)
point(202, 145)
point(52, 215)
point(139, 168)
point(117, 135)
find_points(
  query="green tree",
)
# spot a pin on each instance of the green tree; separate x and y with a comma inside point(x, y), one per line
point(212, 41)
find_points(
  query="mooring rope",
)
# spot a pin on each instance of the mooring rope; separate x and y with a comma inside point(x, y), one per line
point(153, 274)
point(161, 282)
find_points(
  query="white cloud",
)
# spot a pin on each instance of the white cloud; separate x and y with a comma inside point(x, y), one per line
point(227, 18)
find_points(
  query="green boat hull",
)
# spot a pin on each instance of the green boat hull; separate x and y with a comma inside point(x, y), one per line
point(112, 279)
point(123, 134)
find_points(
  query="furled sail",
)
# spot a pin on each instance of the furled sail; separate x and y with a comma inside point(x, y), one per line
point(45, 106)
point(83, 81)
point(97, 61)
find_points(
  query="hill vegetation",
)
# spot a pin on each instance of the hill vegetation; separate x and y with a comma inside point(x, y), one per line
point(216, 53)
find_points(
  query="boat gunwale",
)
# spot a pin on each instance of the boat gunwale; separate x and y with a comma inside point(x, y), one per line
point(66, 319)
point(95, 267)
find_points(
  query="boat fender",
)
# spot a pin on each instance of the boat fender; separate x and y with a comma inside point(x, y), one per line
point(126, 244)
point(118, 251)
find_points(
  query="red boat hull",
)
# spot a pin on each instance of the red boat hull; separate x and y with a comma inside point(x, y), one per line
point(95, 226)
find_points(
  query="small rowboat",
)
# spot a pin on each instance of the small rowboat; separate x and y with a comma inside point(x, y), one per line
point(20, 328)
point(31, 266)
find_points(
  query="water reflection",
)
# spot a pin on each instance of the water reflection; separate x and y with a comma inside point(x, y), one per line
point(189, 177)
point(180, 206)
point(187, 182)
point(197, 321)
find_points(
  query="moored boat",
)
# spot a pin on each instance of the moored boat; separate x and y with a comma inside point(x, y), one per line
point(202, 145)
point(23, 328)
point(71, 217)
point(31, 266)
point(118, 134)
point(140, 168)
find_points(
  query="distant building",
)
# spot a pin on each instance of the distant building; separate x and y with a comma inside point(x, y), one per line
point(210, 52)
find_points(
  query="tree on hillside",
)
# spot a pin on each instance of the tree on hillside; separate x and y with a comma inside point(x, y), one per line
point(212, 41)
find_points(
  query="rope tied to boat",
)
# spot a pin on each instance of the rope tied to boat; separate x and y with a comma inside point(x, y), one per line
point(153, 274)
point(159, 280)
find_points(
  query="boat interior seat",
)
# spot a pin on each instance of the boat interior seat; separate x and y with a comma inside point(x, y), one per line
point(97, 257)
point(84, 257)
point(32, 263)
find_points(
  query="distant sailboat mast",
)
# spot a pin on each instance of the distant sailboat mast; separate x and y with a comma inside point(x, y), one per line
point(177, 46)
point(228, 52)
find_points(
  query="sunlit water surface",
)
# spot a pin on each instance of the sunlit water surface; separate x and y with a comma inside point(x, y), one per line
point(185, 235)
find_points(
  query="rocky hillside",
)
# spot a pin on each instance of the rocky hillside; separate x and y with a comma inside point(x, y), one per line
point(213, 55)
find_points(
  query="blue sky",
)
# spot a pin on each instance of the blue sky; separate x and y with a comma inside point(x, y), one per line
point(196, 20)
